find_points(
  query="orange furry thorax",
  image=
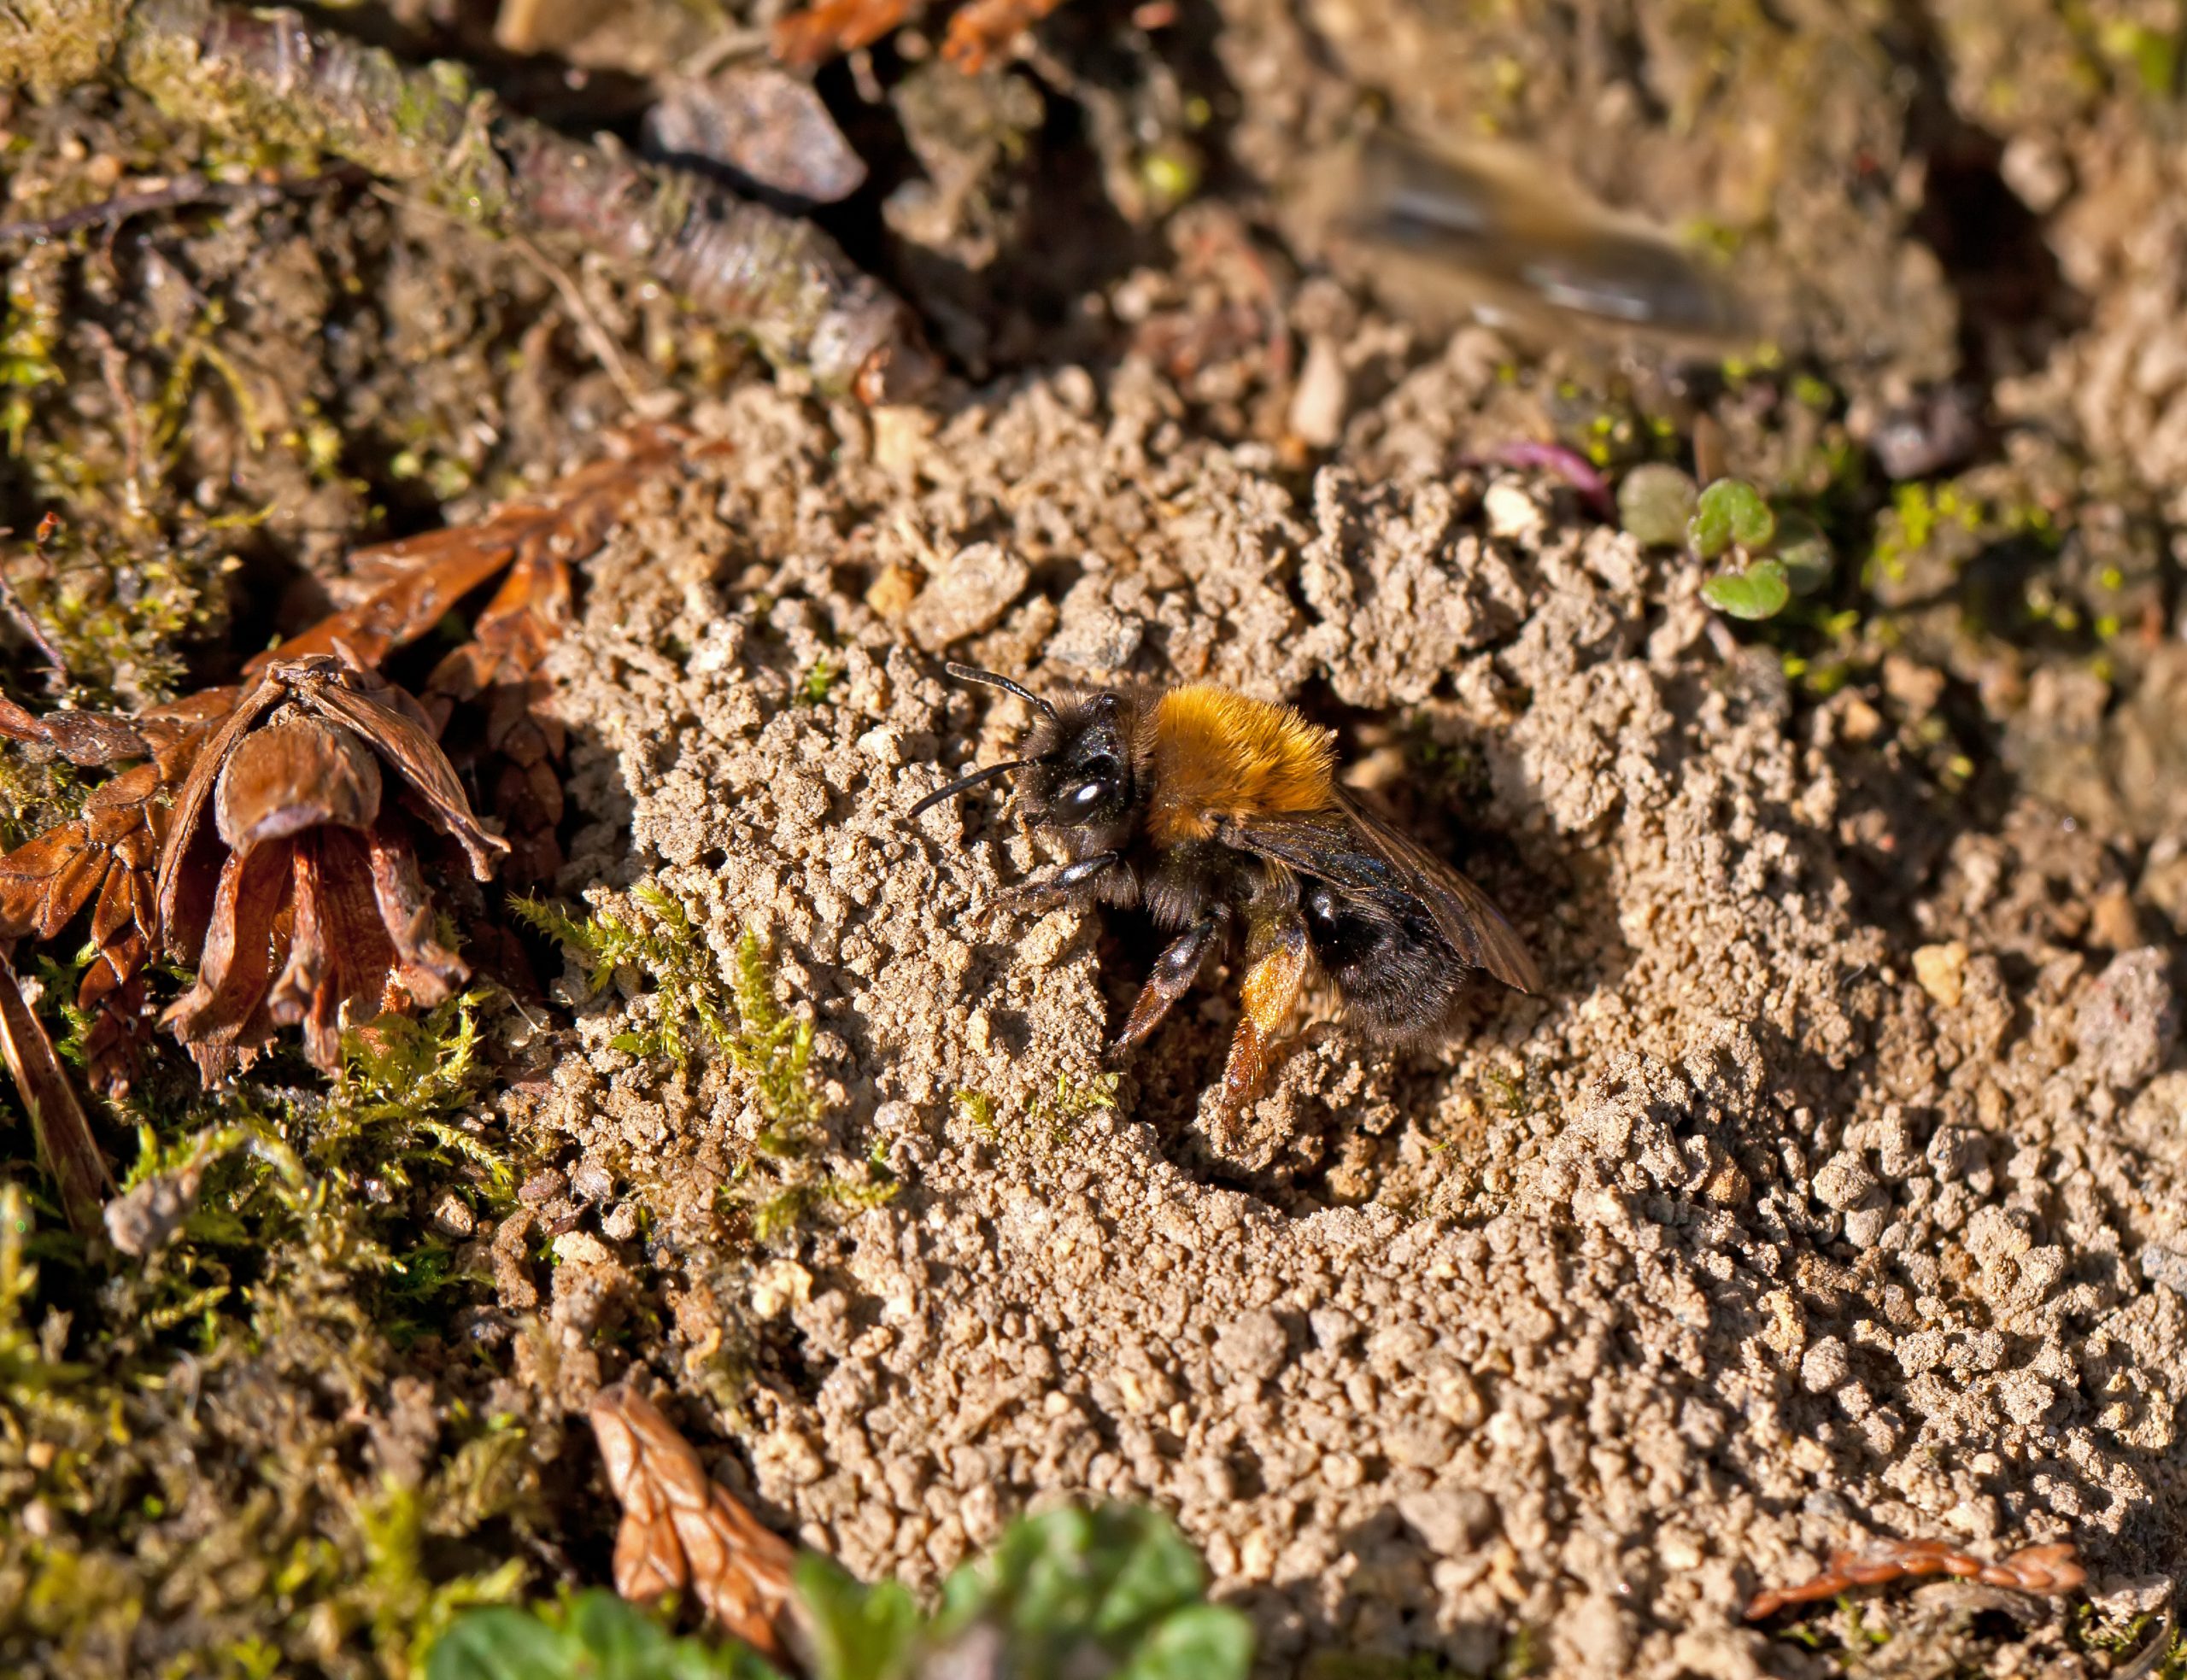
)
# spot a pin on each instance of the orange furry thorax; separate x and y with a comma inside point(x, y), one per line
point(1214, 754)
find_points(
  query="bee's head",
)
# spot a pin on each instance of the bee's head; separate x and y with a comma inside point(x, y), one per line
point(1077, 765)
point(1076, 770)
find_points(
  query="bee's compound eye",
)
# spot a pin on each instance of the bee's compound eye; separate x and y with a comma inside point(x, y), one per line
point(1086, 795)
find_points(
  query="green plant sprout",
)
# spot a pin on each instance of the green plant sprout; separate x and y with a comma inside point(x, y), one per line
point(1764, 556)
point(1113, 1593)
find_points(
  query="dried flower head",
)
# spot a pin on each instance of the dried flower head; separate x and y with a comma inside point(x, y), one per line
point(680, 1528)
point(302, 898)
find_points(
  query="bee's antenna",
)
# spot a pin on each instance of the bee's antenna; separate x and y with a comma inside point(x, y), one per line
point(969, 674)
point(965, 782)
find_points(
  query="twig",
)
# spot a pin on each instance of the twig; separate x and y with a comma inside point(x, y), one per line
point(2032, 1569)
point(183, 190)
point(65, 1142)
point(12, 604)
point(779, 280)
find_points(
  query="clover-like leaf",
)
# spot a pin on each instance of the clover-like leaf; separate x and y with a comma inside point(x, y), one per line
point(1804, 553)
point(1655, 500)
point(1760, 591)
point(1731, 511)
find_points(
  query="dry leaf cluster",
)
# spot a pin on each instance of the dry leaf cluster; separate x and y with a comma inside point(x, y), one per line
point(2033, 1569)
point(268, 835)
point(291, 880)
point(682, 1529)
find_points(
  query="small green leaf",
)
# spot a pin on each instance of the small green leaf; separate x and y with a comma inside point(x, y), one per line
point(499, 1645)
point(858, 1632)
point(593, 1637)
point(1208, 1641)
point(1654, 502)
point(1804, 553)
point(1759, 592)
point(1730, 511)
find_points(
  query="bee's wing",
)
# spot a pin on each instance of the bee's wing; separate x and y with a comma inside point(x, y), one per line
point(1349, 847)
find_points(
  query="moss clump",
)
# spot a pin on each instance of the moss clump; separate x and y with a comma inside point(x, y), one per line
point(256, 1445)
point(739, 1018)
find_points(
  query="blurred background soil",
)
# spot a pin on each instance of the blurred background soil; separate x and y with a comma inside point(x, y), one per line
point(1836, 1187)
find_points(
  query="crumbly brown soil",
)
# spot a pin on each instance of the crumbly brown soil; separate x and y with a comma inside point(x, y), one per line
point(1742, 1243)
point(1835, 1188)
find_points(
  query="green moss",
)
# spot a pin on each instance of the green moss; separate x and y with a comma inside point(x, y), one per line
point(741, 1020)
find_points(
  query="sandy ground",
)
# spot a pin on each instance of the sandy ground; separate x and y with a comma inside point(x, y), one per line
point(1832, 1190)
point(1794, 1213)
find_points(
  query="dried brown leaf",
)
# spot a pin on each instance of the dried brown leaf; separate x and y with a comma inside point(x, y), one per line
point(983, 28)
point(426, 576)
point(297, 773)
point(680, 1527)
point(46, 881)
point(2051, 1568)
point(830, 29)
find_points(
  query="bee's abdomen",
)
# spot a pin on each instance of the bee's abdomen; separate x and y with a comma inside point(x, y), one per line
point(1396, 973)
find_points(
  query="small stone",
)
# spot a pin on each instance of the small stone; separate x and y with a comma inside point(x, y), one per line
point(970, 594)
point(1091, 634)
point(892, 594)
point(146, 1219)
point(1942, 971)
point(2025, 1398)
point(1425, 1444)
point(1843, 1181)
point(1455, 1397)
point(581, 1248)
point(1322, 396)
point(1864, 1226)
point(1826, 1367)
point(883, 745)
point(620, 1222)
point(1511, 514)
point(452, 1216)
point(2127, 1022)
point(2111, 924)
point(589, 1181)
point(779, 1287)
point(2167, 1267)
point(1452, 1520)
point(1252, 1346)
point(542, 1187)
point(1332, 1328)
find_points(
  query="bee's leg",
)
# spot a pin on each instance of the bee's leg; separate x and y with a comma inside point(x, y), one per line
point(1276, 972)
point(1066, 885)
point(1175, 970)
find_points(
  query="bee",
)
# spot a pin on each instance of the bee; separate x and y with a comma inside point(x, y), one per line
point(1449, 229)
point(1221, 817)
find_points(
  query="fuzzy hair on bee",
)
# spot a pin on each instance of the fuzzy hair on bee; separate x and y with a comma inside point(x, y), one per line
point(1222, 816)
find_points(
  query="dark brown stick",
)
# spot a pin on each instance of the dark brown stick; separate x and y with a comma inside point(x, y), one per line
point(267, 75)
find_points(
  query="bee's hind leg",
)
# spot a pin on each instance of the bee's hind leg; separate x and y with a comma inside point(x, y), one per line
point(1276, 960)
point(1175, 970)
